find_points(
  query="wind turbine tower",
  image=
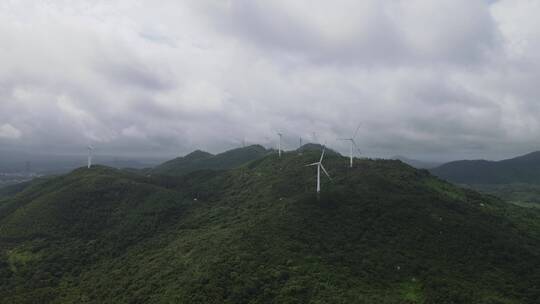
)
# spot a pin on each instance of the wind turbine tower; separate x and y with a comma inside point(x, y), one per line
point(279, 144)
point(90, 149)
point(319, 167)
point(352, 146)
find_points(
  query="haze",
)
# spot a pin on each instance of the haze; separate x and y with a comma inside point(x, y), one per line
point(435, 80)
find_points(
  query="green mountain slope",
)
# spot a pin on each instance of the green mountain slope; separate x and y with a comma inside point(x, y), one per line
point(525, 195)
point(200, 160)
point(381, 232)
point(315, 147)
point(522, 169)
point(11, 190)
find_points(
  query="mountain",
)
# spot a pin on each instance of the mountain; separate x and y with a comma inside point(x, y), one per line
point(317, 148)
point(419, 164)
point(381, 232)
point(200, 160)
point(515, 180)
point(522, 169)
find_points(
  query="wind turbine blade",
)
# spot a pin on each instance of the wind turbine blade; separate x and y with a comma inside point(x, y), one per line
point(356, 132)
point(356, 146)
point(325, 172)
point(322, 155)
point(314, 164)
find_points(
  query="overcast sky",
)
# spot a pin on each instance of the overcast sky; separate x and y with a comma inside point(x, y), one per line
point(442, 79)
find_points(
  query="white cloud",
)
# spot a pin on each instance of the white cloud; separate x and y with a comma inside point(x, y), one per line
point(9, 132)
point(440, 79)
point(133, 131)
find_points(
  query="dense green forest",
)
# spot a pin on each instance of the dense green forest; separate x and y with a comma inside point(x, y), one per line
point(381, 232)
point(525, 195)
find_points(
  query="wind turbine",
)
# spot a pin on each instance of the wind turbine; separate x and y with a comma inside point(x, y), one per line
point(352, 145)
point(319, 167)
point(279, 144)
point(90, 149)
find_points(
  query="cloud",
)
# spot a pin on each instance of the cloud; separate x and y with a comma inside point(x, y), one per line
point(434, 79)
point(133, 131)
point(364, 32)
point(9, 132)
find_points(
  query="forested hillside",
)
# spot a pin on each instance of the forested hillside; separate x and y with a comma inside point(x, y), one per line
point(382, 232)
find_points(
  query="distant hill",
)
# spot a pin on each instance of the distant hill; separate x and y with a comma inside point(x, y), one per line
point(522, 169)
point(382, 232)
point(200, 160)
point(419, 164)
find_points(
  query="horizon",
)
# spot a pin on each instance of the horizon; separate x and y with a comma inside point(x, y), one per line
point(156, 159)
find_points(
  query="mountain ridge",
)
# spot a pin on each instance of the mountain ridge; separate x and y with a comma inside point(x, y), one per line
point(520, 169)
point(419, 164)
point(201, 160)
point(379, 232)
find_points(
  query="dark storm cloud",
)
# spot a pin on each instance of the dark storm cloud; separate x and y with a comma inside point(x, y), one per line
point(435, 79)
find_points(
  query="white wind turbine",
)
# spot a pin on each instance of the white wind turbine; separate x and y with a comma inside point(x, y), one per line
point(90, 149)
point(279, 144)
point(319, 167)
point(352, 146)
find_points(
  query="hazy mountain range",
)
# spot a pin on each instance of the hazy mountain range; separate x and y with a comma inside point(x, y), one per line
point(521, 169)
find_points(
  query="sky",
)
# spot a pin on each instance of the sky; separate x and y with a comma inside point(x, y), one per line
point(434, 80)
